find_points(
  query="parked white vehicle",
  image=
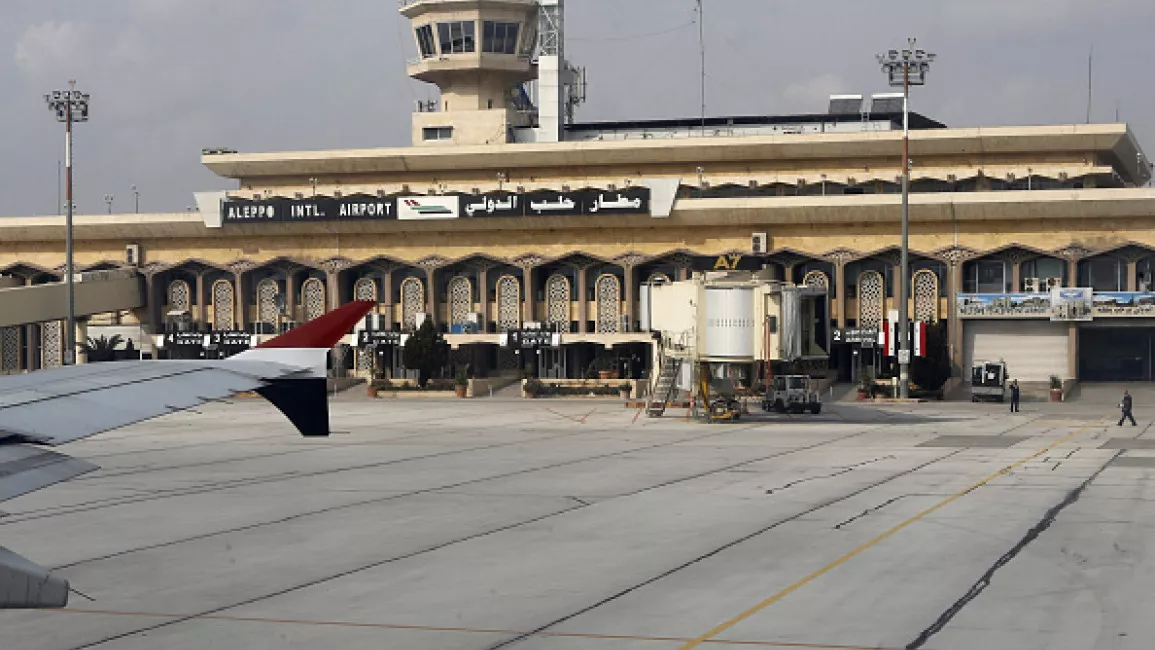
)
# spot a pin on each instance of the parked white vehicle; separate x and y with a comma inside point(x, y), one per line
point(792, 394)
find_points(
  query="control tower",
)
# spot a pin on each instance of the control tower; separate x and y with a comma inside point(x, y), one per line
point(482, 54)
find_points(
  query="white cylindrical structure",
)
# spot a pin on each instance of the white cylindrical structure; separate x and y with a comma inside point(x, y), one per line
point(729, 319)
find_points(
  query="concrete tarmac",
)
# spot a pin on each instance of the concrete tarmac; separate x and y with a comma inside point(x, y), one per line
point(567, 524)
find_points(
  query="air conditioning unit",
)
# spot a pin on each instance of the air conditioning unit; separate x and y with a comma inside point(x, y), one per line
point(1032, 285)
point(758, 243)
point(473, 317)
point(132, 254)
point(1054, 283)
point(419, 319)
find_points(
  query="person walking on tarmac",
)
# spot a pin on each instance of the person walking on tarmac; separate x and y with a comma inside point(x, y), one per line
point(1015, 396)
point(1126, 406)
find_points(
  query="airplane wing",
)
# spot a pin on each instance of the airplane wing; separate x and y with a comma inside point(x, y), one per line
point(61, 405)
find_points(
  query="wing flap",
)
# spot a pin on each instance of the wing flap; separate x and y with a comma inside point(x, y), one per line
point(25, 469)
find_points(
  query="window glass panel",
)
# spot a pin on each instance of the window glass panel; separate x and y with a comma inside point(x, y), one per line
point(443, 37)
point(499, 38)
point(487, 36)
point(425, 41)
point(456, 37)
point(990, 276)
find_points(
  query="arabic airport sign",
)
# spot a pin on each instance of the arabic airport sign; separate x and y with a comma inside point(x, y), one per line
point(630, 200)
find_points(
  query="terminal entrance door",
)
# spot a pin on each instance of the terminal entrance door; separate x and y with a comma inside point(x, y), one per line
point(1117, 354)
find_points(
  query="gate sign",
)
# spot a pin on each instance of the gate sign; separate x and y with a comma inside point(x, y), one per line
point(856, 336)
point(230, 339)
point(526, 339)
point(367, 338)
point(184, 339)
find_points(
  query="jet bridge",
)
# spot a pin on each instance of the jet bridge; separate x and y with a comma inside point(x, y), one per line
point(97, 292)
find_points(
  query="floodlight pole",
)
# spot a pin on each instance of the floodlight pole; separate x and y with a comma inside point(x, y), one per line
point(66, 105)
point(890, 64)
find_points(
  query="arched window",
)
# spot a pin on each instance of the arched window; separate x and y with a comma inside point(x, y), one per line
point(871, 299)
point(609, 302)
point(223, 305)
point(508, 303)
point(557, 300)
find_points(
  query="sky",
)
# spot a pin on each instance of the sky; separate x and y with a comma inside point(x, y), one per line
point(171, 77)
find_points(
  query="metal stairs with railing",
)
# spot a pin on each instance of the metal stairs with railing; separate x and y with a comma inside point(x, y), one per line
point(665, 387)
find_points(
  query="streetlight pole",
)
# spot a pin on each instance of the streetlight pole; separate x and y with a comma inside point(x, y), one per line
point(136, 198)
point(906, 68)
point(108, 198)
point(70, 106)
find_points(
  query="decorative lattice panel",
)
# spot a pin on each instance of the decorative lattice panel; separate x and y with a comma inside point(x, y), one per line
point(460, 299)
point(52, 345)
point(609, 294)
point(313, 298)
point(223, 305)
point(10, 348)
point(871, 299)
point(267, 292)
point(508, 303)
point(412, 301)
point(365, 289)
point(557, 300)
point(925, 292)
point(817, 280)
point(179, 296)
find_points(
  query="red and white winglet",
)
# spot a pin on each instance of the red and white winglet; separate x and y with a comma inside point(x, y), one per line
point(302, 397)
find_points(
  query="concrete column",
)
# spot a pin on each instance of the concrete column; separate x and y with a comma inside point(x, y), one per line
point(896, 287)
point(1016, 276)
point(154, 319)
point(291, 294)
point(1072, 273)
point(387, 298)
point(431, 294)
point(527, 277)
point(1132, 275)
point(81, 335)
point(629, 272)
point(483, 297)
point(583, 289)
point(332, 289)
point(683, 273)
point(1072, 351)
point(954, 325)
point(202, 306)
point(29, 361)
point(239, 320)
point(840, 292)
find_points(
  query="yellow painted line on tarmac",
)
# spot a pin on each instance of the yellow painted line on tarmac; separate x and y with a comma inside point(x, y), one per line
point(709, 636)
point(430, 628)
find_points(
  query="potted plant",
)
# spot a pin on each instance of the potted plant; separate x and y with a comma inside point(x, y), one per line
point(372, 389)
point(865, 387)
point(1056, 389)
point(604, 365)
point(461, 383)
point(532, 387)
point(625, 388)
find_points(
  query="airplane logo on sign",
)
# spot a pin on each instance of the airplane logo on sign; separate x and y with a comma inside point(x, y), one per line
point(417, 207)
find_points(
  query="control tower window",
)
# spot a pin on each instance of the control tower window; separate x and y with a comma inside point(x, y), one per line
point(499, 38)
point(425, 41)
point(457, 37)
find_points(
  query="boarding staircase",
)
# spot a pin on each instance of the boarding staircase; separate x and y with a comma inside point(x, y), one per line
point(673, 354)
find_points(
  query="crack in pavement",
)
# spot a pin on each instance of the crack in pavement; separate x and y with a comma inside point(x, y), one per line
point(845, 470)
point(985, 580)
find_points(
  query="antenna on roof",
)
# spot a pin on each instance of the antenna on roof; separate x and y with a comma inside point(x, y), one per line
point(1090, 71)
point(702, 49)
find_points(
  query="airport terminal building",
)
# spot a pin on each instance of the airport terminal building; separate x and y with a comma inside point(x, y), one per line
point(1034, 244)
